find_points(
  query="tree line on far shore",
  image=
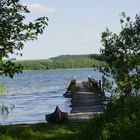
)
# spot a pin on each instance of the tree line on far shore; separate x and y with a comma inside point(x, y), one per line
point(61, 62)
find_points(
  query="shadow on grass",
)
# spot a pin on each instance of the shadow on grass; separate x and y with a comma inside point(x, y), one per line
point(41, 131)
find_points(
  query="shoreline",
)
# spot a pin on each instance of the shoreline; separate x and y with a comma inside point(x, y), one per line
point(59, 69)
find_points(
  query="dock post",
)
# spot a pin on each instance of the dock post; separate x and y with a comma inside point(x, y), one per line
point(100, 87)
point(103, 85)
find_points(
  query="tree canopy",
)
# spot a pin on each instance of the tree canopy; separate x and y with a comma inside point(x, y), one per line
point(14, 32)
point(121, 52)
point(60, 62)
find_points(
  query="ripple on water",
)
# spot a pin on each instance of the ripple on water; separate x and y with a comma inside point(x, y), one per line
point(37, 93)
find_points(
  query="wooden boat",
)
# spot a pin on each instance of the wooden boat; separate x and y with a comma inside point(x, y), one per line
point(57, 116)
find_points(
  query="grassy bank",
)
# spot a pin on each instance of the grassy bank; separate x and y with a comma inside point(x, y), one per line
point(41, 131)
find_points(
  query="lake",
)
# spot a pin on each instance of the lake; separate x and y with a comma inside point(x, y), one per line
point(36, 93)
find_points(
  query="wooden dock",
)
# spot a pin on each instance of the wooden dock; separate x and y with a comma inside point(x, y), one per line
point(87, 101)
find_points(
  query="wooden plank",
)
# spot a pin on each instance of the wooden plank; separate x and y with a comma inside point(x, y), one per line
point(86, 101)
point(96, 108)
point(82, 113)
point(91, 103)
point(83, 95)
point(82, 116)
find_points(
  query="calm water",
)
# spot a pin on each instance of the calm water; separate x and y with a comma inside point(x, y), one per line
point(36, 93)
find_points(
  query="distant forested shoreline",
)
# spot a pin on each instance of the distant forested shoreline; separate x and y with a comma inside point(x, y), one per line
point(61, 62)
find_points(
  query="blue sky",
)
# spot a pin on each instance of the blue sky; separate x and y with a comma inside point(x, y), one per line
point(75, 26)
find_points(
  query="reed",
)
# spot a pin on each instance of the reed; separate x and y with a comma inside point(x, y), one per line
point(2, 89)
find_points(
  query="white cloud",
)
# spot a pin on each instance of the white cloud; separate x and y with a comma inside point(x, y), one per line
point(36, 7)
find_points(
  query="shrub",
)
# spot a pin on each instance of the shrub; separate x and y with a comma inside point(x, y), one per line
point(120, 121)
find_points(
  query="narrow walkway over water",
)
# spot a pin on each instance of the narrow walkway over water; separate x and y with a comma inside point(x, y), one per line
point(85, 103)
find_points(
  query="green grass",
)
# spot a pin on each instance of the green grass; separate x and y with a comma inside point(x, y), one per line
point(41, 131)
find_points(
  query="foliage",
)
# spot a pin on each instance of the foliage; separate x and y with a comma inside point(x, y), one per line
point(121, 52)
point(60, 62)
point(120, 121)
point(14, 32)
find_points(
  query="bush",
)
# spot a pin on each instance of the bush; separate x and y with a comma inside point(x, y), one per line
point(120, 121)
